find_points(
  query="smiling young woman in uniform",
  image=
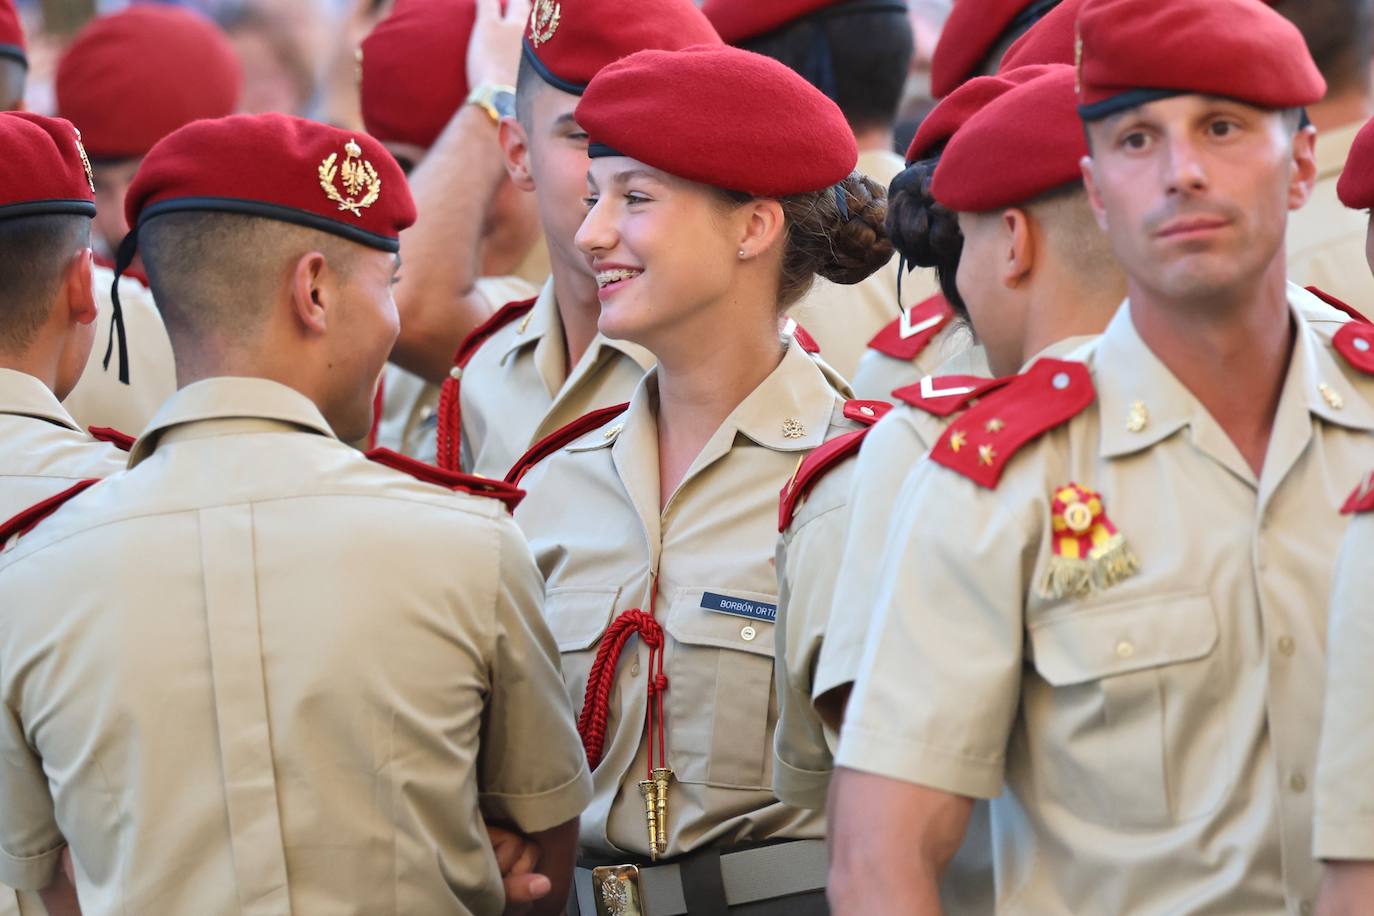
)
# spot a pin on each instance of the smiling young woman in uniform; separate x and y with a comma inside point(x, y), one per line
point(654, 523)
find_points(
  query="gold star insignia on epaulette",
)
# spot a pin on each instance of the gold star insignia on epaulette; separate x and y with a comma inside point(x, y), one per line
point(987, 454)
point(957, 440)
point(994, 425)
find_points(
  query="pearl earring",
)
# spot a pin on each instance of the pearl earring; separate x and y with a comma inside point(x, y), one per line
point(741, 253)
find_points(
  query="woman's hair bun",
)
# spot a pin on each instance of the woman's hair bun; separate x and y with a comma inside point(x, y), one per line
point(859, 243)
point(924, 232)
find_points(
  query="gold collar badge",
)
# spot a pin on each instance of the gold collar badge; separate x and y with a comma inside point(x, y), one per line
point(359, 178)
point(544, 20)
point(85, 162)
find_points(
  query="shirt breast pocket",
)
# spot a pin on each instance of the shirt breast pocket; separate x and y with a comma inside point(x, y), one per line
point(577, 617)
point(1128, 724)
point(721, 708)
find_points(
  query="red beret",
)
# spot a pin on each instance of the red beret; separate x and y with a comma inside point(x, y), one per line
point(1049, 41)
point(414, 70)
point(963, 103)
point(1356, 185)
point(974, 28)
point(279, 167)
point(11, 33)
point(132, 78)
point(740, 20)
point(719, 116)
point(1026, 142)
point(569, 41)
point(1137, 51)
point(44, 169)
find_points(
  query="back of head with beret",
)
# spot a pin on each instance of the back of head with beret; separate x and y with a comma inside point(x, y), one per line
point(12, 43)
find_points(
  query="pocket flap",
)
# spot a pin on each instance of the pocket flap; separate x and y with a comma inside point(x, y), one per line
point(692, 624)
point(1106, 640)
point(578, 615)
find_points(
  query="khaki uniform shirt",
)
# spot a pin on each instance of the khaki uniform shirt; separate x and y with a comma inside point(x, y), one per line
point(517, 389)
point(843, 319)
point(256, 698)
point(100, 398)
point(1156, 737)
point(410, 404)
point(714, 539)
point(1345, 765)
point(1325, 238)
point(879, 374)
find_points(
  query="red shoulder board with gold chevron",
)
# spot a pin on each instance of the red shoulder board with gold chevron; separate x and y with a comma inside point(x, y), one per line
point(946, 395)
point(27, 520)
point(453, 480)
point(1335, 303)
point(122, 441)
point(1355, 341)
point(981, 442)
point(907, 336)
point(828, 455)
point(561, 437)
point(1362, 499)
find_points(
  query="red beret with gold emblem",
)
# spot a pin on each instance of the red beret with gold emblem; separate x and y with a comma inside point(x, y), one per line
point(719, 116)
point(44, 169)
point(740, 20)
point(12, 33)
point(1356, 185)
point(132, 78)
point(568, 41)
point(963, 103)
point(1018, 146)
point(974, 29)
point(1137, 51)
point(414, 70)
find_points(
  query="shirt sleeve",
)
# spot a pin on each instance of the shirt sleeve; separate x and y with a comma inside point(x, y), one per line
point(940, 679)
point(533, 768)
point(30, 843)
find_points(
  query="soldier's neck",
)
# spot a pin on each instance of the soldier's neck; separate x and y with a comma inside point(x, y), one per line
point(579, 309)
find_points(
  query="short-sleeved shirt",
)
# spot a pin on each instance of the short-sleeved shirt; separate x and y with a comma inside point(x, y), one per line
point(1326, 240)
point(1345, 803)
point(704, 565)
point(258, 671)
point(410, 404)
point(517, 388)
point(100, 398)
point(1156, 737)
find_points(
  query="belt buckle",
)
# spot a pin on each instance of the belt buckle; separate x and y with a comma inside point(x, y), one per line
point(616, 889)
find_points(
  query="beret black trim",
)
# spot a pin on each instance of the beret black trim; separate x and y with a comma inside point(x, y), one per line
point(270, 211)
point(1125, 101)
point(48, 207)
point(601, 151)
point(548, 75)
point(14, 52)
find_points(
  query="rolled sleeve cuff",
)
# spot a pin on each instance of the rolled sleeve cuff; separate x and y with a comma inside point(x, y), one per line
point(1344, 838)
point(30, 873)
point(870, 751)
point(533, 813)
point(798, 787)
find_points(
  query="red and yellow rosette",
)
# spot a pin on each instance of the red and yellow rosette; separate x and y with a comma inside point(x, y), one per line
point(1088, 552)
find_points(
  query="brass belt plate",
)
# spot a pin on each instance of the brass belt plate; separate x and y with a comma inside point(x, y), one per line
point(616, 889)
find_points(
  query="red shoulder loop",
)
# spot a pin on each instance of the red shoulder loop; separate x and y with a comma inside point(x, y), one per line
point(27, 520)
point(907, 335)
point(1355, 341)
point(981, 442)
point(866, 412)
point(122, 441)
point(946, 395)
point(1361, 498)
point(825, 457)
point(802, 336)
point(449, 426)
point(561, 437)
point(1335, 303)
point(453, 480)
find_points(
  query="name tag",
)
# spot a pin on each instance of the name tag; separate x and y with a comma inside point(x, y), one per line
point(740, 607)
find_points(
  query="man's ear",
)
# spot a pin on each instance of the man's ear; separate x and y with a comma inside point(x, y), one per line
point(515, 147)
point(1018, 256)
point(1089, 169)
point(763, 224)
point(78, 286)
point(1304, 177)
point(312, 291)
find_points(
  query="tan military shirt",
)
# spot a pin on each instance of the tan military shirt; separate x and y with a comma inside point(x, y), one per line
point(257, 697)
point(1345, 764)
point(410, 404)
point(1156, 737)
point(709, 550)
point(843, 319)
point(100, 398)
point(879, 374)
point(1326, 241)
point(517, 389)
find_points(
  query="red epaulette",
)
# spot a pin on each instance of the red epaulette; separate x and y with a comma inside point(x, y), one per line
point(827, 455)
point(1337, 304)
point(981, 442)
point(449, 429)
point(561, 437)
point(27, 520)
point(453, 480)
point(907, 336)
point(122, 441)
point(802, 336)
point(1362, 498)
point(946, 395)
point(1355, 341)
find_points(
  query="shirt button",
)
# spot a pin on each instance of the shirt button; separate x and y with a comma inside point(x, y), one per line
point(1125, 649)
point(748, 633)
point(634, 669)
point(425, 413)
point(1298, 783)
point(1286, 645)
